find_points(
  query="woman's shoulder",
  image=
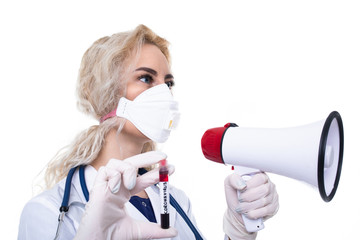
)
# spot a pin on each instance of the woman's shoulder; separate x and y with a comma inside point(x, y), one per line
point(49, 200)
point(40, 213)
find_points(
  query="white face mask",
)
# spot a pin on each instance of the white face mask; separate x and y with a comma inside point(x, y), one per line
point(154, 112)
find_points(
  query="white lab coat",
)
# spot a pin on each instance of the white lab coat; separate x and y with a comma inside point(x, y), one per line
point(39, 219)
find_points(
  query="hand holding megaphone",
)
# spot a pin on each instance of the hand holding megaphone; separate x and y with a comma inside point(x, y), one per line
point(248, 202)
point(312, 153)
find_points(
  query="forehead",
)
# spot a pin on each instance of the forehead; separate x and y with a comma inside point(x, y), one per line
point(152, 57)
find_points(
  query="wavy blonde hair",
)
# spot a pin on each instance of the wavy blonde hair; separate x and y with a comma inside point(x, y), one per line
point(101, 83)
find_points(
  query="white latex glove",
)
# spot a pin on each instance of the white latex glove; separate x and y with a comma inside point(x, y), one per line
point(258, 199)
point(105, 215)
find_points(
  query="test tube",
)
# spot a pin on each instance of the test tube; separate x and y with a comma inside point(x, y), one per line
point(164, 194)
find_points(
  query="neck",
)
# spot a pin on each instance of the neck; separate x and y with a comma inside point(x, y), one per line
point(117, 146)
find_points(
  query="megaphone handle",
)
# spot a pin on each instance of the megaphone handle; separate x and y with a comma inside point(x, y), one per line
point(251, 225)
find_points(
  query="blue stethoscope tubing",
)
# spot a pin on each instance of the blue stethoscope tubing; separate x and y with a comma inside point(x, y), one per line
point(65, 202)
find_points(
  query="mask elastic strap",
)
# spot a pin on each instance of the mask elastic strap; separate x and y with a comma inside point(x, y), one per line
point(109, 115)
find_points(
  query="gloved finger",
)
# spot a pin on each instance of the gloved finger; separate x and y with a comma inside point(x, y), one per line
point(236, 181)
point(245, 207)
point(148, 179)
point(107, 177)
point(257, 180)
point(125, 169)
point(129, 177)
point(146, 159)
point(114, 180)
point(253, 194)
point(148, 230)
point(267, 211)
point(273, 207)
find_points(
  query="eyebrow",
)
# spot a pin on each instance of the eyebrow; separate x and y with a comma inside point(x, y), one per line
point(149, 70)
point(153, 72)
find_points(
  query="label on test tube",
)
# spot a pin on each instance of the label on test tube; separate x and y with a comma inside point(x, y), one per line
point(164, 195)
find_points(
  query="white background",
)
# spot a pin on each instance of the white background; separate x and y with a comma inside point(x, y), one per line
point(256, 63)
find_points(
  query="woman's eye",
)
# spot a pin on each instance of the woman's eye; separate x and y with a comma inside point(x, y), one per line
point(170, 84)
point(146, 79)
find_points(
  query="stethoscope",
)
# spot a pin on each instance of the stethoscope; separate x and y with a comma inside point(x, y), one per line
point(65, 202)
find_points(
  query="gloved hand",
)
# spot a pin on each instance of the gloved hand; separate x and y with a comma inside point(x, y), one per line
point(258, 199)
point(105, 215)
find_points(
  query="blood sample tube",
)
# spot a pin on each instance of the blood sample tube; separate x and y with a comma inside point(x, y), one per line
point(164, 195)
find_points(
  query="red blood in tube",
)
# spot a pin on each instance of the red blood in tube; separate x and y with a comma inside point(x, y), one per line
point(163, 172)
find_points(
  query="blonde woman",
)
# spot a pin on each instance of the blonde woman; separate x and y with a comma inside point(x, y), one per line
point(125, 83)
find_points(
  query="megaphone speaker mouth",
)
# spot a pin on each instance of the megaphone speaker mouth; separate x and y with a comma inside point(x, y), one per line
point(331, 149)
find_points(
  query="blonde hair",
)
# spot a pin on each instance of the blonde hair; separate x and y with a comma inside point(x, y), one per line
point(101, 83)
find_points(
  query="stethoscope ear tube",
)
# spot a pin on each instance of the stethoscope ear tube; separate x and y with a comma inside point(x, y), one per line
point(65, 203)
point(83, 182)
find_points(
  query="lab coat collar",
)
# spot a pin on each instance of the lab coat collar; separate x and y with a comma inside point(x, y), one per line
point(90, 176)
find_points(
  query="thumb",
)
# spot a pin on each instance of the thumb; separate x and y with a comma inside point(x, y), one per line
point(232, 184)
point(148, 179)
point(154, 231)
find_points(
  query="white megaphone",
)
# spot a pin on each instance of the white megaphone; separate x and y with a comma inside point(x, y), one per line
point(312, 153)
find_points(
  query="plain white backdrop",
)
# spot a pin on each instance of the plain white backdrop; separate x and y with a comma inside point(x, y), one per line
point(256, 63)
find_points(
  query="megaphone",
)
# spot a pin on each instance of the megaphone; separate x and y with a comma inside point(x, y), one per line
point(312, 153)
